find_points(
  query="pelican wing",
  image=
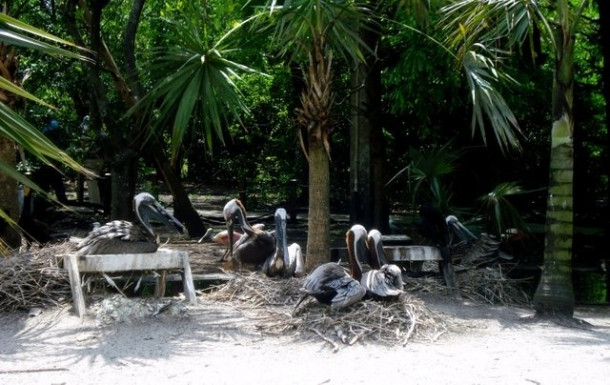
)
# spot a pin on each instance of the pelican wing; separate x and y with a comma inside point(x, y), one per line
point(117, 237)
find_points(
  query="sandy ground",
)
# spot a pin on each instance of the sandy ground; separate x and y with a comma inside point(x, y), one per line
point(214, 343)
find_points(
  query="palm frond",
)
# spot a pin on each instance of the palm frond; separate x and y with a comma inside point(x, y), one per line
point(17, 129)
point(498, 210)
point(298, 25)
point(13, 31)
point(202, 86)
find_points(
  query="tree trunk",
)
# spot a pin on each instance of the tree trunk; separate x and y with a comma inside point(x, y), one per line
point(318, 226)
point(183, 208)
point(361, 199)
point(555, 294)
point(9, 202)
point(368, 203)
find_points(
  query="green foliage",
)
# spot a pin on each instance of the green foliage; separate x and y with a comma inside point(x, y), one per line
point(429, 175)
point(499, 213)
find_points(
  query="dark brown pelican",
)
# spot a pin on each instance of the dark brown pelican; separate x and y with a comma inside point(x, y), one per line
point(286, 260)
point(124, 237)
point(255, 245)
point(382, 280)
point(331, 284)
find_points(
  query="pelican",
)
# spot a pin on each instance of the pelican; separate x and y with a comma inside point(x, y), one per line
point(285, 260)
point(124, 237)
point(382, 280)
point(460, 230)
point(233, 210)
point(331, 284)
point(480, 248)
point(255, 245)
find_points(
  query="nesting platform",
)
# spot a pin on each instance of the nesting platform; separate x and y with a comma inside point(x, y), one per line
point(162, 259)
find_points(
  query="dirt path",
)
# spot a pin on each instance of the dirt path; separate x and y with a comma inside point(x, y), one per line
point(219, 344)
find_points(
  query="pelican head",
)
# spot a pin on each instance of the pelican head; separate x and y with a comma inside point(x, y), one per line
point(148, 209)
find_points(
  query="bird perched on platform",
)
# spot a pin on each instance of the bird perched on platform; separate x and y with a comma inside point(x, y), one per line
point(332, 285)
point(382, 280)
point(255, 245)
point(286, 260)
point(481, 249)
point(124, 237)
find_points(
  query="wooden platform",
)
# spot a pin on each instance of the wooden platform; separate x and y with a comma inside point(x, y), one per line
point(162, 259)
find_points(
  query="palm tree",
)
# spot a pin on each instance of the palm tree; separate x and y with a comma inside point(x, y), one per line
point(14, 130)
point(478, 27)
point(312, 34)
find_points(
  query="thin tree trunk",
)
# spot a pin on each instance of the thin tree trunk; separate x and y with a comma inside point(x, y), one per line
point(361, 199)
point(8, 192)
point(318, 232)
point(555, 294)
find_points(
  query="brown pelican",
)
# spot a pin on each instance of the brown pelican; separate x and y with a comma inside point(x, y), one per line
point(255, 245)
point(382, 280)
point(233, 210)
point(285, 260)
point(331, 284)
point(123, 237)
point(480, 249)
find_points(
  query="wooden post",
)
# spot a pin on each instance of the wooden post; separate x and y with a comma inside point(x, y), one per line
point(75, 283)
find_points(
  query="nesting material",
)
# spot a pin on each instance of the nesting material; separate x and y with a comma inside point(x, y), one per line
point(34, 279)
point(395, 322)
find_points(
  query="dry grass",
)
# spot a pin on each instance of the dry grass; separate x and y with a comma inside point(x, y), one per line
point(273, 303)
point(34, 279)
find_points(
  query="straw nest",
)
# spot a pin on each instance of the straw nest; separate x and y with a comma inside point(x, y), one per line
point(33, 279)
point(393, 322)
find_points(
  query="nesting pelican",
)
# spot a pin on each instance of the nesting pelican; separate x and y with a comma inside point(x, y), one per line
point(382, 280)
point(286, 260)
point(255, 245)
point(124, 237)
point(331, 284)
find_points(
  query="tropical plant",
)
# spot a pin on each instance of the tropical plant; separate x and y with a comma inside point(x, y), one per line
point(312, 34)
point(478, 30)
point(14, 130)
point(499, 212)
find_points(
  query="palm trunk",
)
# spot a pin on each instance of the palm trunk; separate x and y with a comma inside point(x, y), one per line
point(555, 294)
point(318, 232)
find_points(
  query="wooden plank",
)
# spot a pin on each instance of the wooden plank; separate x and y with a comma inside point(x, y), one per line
point(187, 281)
point(412, 253)
point(160, 260)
